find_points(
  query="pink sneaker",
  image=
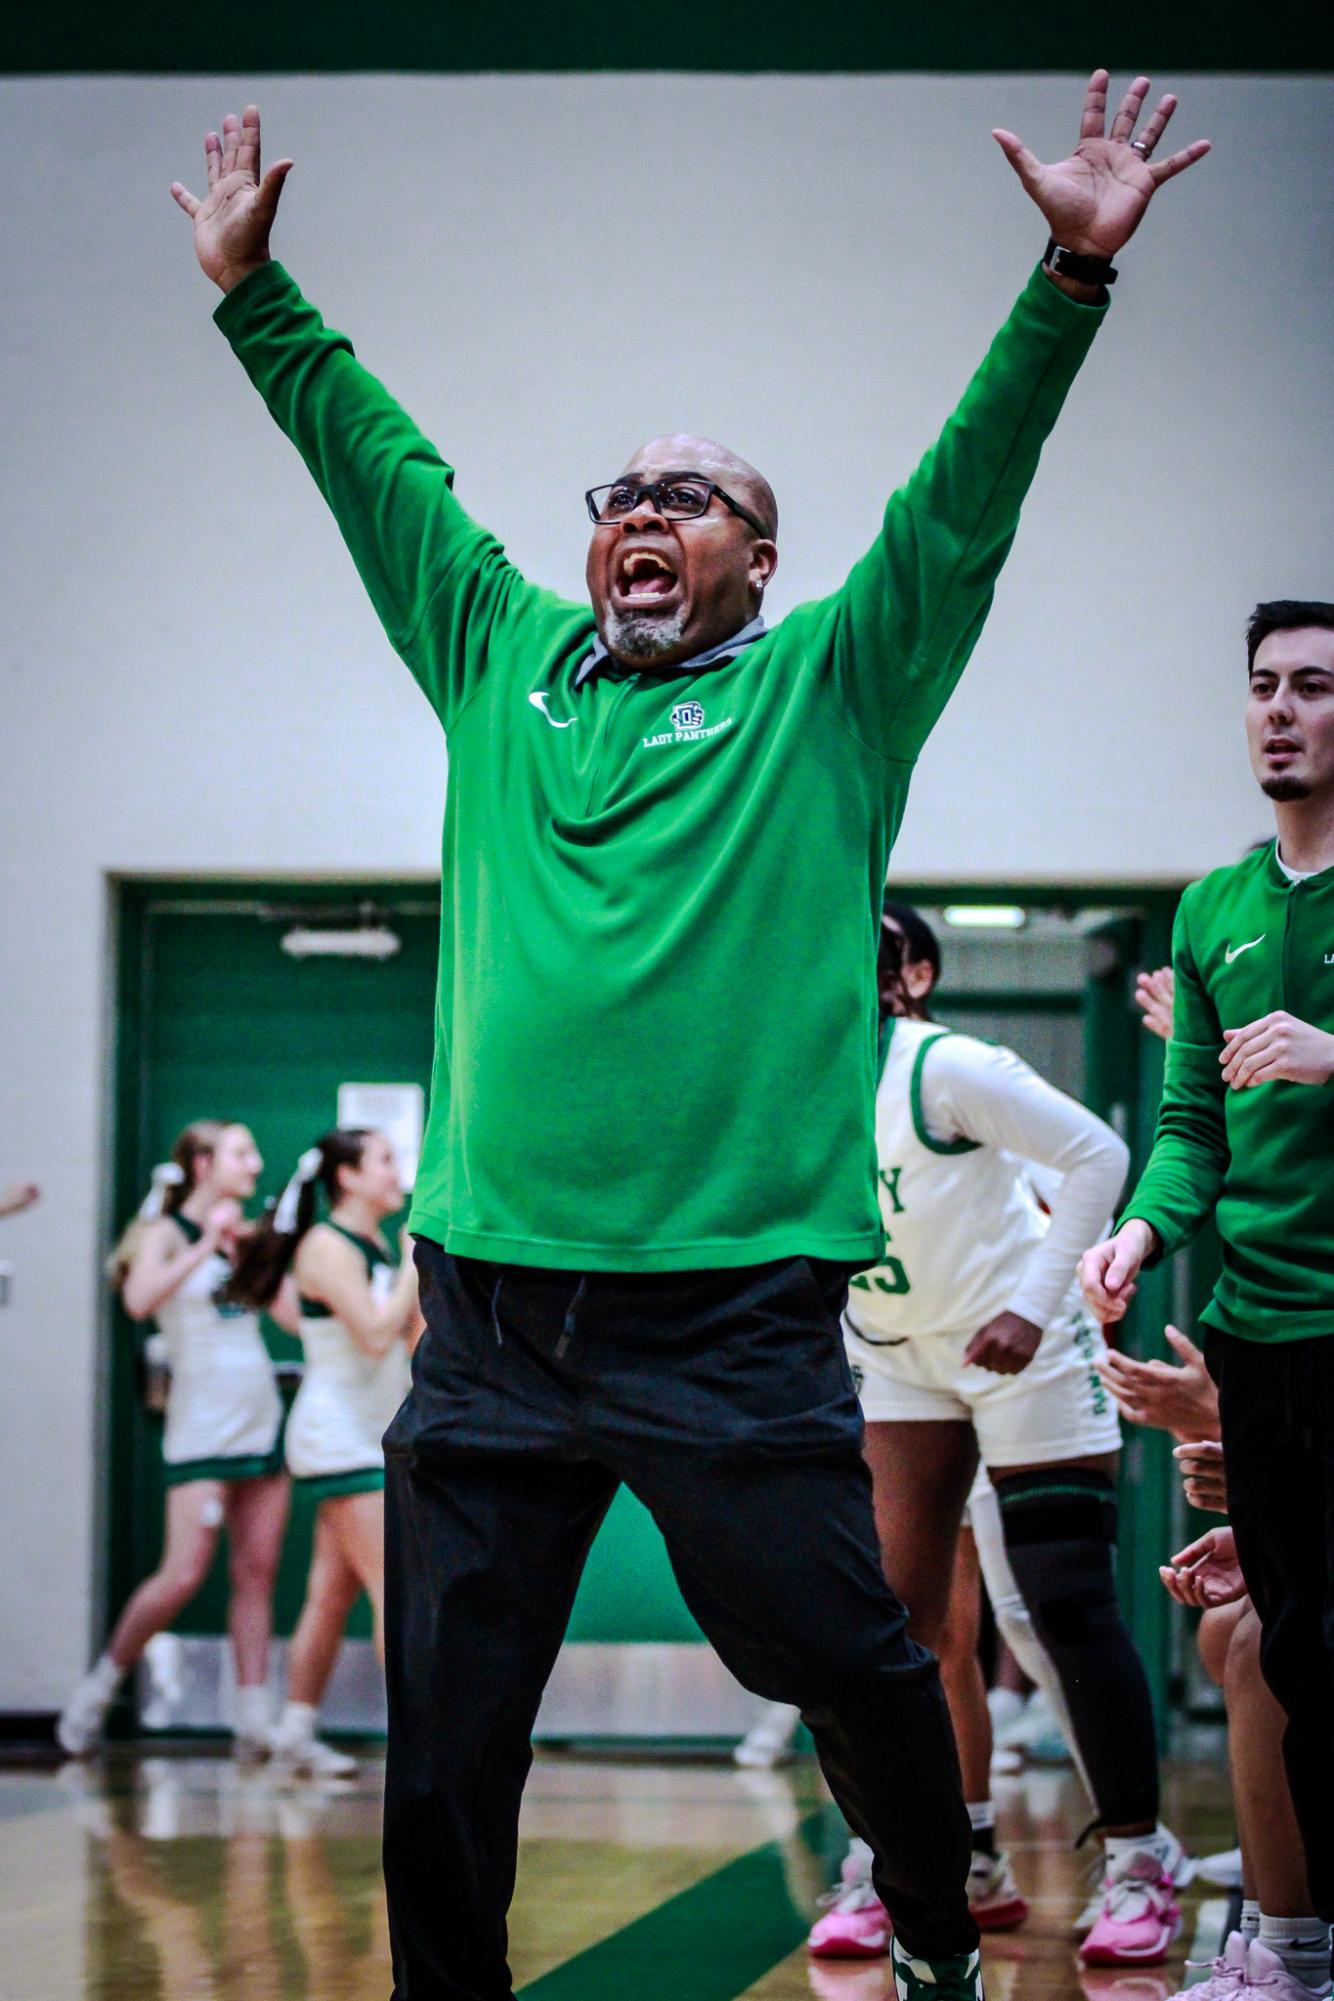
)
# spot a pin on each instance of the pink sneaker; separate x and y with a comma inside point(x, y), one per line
point(1140, 1916)
point(993, 1894)
point(1266, 1971)
point(1227, 1976)
point(856, 1924)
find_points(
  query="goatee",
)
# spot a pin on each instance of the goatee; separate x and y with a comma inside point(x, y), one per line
point(1285, 789)
point(642, 636)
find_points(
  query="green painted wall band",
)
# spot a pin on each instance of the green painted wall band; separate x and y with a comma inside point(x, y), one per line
point(527, 35)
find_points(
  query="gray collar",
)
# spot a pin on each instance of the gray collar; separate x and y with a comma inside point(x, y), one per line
point(746, 637)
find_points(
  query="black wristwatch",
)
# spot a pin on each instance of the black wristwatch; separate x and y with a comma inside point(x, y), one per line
point(1074, 264)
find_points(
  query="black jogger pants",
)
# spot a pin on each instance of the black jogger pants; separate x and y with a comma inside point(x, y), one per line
point(723, 1400)
point(1276, 1400)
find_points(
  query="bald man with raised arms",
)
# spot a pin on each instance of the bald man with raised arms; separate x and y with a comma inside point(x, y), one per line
point(649, 1167)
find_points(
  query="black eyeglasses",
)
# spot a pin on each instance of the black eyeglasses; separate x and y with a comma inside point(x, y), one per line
point(678, 497)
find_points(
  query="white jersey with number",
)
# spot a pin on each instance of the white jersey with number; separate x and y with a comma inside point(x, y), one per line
point(957, 1119)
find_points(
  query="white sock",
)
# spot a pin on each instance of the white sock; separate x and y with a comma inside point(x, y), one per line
point(105, 1676)
point(982, 1820)
point(252, 1711)
point(298, 1722)
point(1302, 1944)
point(1250, 1918)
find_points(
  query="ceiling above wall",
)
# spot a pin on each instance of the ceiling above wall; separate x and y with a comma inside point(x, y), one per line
point(1176, 36)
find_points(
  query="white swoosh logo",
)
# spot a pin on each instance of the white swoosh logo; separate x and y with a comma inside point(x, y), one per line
point(539, 702)
point(1235, 951)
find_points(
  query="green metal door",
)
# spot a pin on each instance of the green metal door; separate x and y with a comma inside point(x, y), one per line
point(216, 1019)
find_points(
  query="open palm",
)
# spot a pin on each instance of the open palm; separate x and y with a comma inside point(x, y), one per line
point(1095, 201)
point(233, 221)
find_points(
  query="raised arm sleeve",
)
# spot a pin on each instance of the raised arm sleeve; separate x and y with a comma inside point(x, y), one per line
point(1179, 1189)
point(440, 584)
point(972, 1090)
point(909, 616)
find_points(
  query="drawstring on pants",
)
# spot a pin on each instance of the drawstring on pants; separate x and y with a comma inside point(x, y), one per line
point(571, 1316)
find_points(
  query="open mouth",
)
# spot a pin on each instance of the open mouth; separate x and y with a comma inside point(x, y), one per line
point(644, 577)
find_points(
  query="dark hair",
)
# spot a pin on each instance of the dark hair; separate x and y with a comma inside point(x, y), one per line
point(1284, 615)
point(265, 1258)
point(913, 939)
point(920, 939)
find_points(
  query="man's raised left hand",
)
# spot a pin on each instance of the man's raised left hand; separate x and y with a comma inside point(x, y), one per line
point(1095, 201)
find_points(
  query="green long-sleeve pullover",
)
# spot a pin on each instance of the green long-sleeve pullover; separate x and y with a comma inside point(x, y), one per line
point(655, 1027)
point(1249, 941)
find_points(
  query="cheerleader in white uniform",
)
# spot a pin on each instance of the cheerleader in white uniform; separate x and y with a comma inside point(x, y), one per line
point(359, 1322)
point(222, 1444)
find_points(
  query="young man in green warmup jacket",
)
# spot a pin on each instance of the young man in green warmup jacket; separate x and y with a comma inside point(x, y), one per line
point(1246, 1135)
point(635, 1216)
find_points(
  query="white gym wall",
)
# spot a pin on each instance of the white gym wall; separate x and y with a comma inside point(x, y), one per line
point(547, 270)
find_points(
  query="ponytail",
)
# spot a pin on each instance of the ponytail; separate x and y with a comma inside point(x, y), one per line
point(266, 1255)
point(172, 1182)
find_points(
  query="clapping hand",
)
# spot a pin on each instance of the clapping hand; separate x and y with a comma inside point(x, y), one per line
point(1277, 1047)
point(1095, 201)
point(1155, 994)
point(233, 221)
point(1204, 1475)
point(1108, 1271)
point(1180, 1400)
point(1206, 1572)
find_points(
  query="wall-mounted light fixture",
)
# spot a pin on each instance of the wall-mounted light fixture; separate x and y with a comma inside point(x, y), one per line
point(367, 941)
point(986, 916)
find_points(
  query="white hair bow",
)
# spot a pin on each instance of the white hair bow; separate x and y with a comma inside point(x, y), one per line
point(284, 1216)
point(165, 1175)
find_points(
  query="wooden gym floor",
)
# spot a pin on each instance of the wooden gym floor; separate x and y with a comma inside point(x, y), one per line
point(181, 1878)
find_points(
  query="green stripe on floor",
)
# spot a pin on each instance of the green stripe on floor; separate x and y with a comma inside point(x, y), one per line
point(708, 1943)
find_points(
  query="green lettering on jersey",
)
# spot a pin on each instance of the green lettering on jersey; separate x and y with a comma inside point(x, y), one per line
point(889, 1177)
point(889, 1275)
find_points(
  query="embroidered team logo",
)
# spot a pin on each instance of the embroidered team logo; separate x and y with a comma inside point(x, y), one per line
point(687, 726)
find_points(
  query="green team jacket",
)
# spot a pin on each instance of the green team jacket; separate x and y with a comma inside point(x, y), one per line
point(656, 1016)
point(1248, 941)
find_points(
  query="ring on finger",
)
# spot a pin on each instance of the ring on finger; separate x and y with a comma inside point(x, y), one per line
point(1141, 146)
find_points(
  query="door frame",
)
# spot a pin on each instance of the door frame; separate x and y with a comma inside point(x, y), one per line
point(1148, 1489)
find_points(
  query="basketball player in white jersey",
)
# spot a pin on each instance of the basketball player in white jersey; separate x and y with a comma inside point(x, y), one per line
point(358, 1324)
point(970, 1343)
point(222, 1445)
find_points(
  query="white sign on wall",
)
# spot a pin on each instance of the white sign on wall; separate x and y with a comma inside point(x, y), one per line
point(397, 1110)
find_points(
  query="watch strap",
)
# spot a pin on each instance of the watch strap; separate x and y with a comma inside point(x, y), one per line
point(1076, 264)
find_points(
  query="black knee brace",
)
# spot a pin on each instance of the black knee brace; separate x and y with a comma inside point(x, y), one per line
point(1060, 1537)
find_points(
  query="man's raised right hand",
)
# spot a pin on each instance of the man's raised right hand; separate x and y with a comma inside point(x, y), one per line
point(233, 221)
